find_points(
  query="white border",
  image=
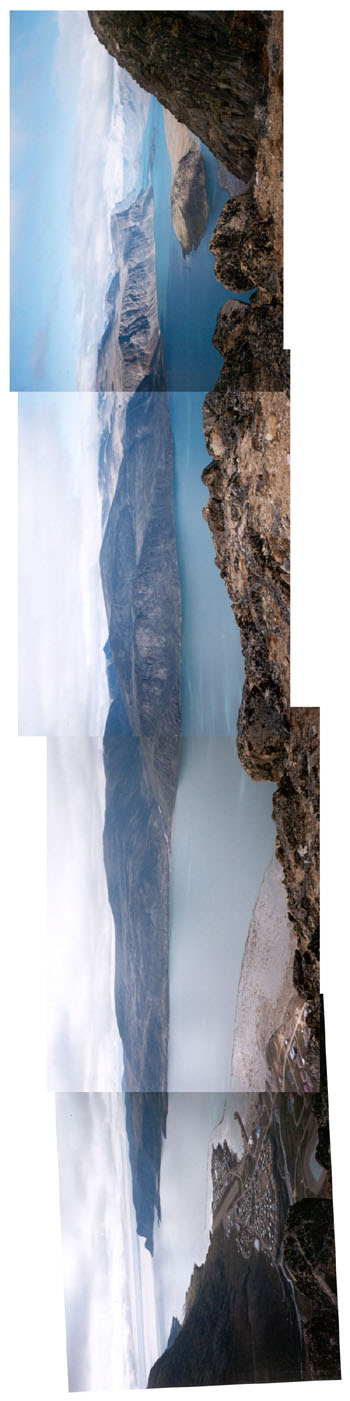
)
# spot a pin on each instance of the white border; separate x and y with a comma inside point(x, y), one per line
point(316, 323)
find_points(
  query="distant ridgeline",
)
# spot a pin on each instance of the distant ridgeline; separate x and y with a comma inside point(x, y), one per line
point(139, 572)
point(146, 1117)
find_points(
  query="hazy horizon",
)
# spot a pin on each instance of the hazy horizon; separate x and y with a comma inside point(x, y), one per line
point(62, 620)
point(67, 173)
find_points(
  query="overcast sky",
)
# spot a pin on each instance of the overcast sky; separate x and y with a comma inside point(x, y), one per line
point(120, 1303)
point(84, 1047)
point(100, 1257)
point(62, 621)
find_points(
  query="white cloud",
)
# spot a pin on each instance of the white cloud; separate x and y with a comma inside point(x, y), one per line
point(84, 1047)
point(98, 168)
point(98, 1219)
point(97, 177)
point(62, 623)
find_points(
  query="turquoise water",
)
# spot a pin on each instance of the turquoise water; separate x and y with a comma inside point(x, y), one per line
point(223, 832)
point(189, 296)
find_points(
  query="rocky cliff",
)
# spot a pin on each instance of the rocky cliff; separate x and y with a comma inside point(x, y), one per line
point(209, 68)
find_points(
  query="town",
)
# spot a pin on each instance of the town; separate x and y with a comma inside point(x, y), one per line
point(244, 1192)
point(288, 1053)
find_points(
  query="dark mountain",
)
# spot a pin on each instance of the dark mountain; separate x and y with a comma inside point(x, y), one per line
point(140, 572)
point(146, 1116)
point(263, 1306)
point(175, 1329)
point(141, 782)
point(242, 1326)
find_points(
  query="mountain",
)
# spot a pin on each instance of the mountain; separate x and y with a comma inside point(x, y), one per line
point(129, 352)
point(252, 1310)
point(139, 571)
point(175, 1329)
point(141, 783)
point(242, 1326)
point(146, 1116)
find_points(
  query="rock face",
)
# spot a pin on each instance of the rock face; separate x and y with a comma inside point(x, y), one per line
point(146, 1117)
point(188, 195)
point(209, 68)
point(247, 434)
point(129, 356)
point(248, 514)
point(189, 200)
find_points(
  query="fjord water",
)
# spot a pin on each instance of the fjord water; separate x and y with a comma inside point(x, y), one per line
point(223, 832)
point(189, 296)
point(223, 840)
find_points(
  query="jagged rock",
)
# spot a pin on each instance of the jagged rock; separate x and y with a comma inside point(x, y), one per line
point(248, 514)
point(251, 340)
point(209, 68)
point(296, 812)
point(243, 245)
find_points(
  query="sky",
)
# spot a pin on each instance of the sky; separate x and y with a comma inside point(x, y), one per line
point(100, 1258)
point(119, 1303)
point(62, 621)
point(84, 1047)
point(67, 172)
